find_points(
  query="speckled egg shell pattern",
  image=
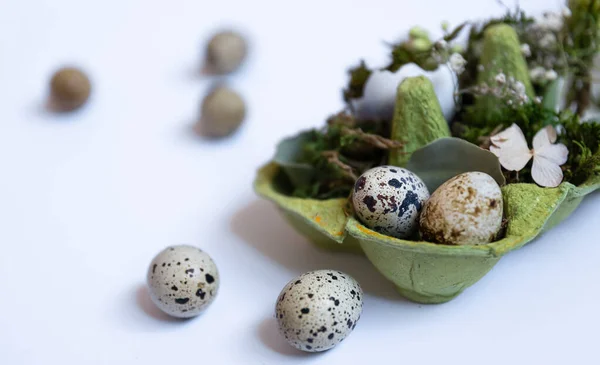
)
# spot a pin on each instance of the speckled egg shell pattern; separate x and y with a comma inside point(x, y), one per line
point(389, 199)
point(183, 280)
point(318, 309)
point(465, 210)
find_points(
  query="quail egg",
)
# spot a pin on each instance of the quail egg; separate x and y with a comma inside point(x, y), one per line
point(226, 51)
point(318, 309)
point(183, 280)
point(388, 199)
point(465, 210)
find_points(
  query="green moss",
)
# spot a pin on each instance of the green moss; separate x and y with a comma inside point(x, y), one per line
point(583, 142)
point(417, 114)
point(358, 78)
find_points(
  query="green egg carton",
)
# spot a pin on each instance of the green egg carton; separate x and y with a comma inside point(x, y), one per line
point(426, 272)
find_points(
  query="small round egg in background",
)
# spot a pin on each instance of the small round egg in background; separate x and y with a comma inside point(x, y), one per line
point(222, 113)
point(388, 199)
point(225, 52)
point(465, 210)
point(70, 88)
point(318, 309)
point(182, 280)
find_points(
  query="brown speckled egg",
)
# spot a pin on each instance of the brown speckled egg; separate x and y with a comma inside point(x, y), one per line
point(318, 309)
point(465, 210)
point(183, 280)
point(388, 199)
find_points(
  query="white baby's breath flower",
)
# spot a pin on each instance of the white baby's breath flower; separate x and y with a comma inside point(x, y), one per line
point(480, 67)
point(457, 63)
point(547, 41)
point(519, 87)
point(566, 12)
point(538, 99)
point(501, 78)
point(441, 44)
point(550, 75)
point(523, 99)
point(550, 21)
point(513, 153)
point(537, 74)
point(525, 50)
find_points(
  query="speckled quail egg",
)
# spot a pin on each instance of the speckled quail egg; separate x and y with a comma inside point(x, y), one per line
point(318, 309)
point(388, 199)
point(183, 280)
point(465, 210)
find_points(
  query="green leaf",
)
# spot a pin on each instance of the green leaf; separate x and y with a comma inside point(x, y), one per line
point(445, 158)
point(288, 154)
point(551, 94)
point(455, 32)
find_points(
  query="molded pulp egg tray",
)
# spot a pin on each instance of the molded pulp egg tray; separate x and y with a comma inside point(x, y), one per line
point(426, 272)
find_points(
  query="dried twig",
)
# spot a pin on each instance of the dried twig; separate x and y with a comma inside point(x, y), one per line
point(373, 139)
point(342, 118)
point(333, 157)
point(486, 141)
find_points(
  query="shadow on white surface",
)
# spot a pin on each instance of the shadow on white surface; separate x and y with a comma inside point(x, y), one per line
point(145, 304)
point(260, 226)
point(46, 108)
point(270, 337)
point(194, 132)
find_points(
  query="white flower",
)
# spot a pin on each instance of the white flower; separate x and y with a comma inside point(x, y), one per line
point(379, 95)
point(537, 74)
point(457, 63)
point(513, 153)
point(550, 21)
point(501, 78)
point(480, 67)
point(566, 12)
point(538, 99)
point(550, 75)
point(441, 44)
point(548, 40)
point(519, 88)
point(525, 50)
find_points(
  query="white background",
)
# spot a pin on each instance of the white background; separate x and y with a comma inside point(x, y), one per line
point(87, 199)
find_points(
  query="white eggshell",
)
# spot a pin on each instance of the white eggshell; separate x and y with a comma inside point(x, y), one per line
point(182, 280)
point(379, 94)
point(318, 309)
point(465, 210)
point(389, 199)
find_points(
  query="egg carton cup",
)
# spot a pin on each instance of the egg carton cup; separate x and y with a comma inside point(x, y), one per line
point(425, 272)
